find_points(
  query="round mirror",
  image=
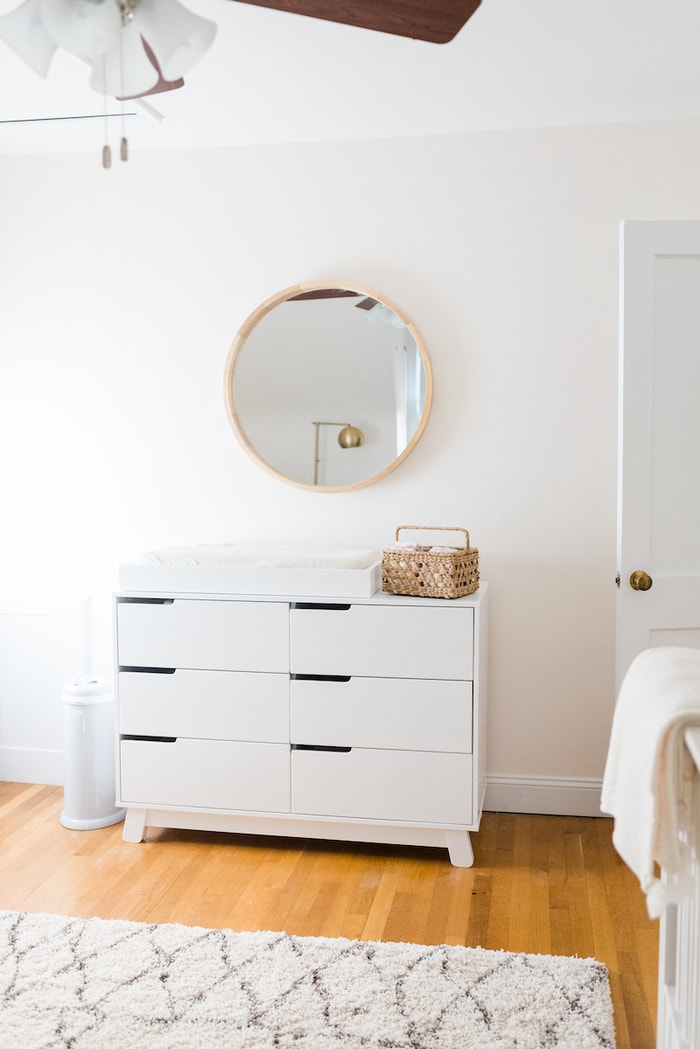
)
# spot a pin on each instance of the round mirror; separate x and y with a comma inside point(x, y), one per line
point(328, 386)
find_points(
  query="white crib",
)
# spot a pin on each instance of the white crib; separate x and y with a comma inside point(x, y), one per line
point(679, 946)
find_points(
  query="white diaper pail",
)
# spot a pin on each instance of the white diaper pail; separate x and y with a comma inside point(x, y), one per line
point(88, 755)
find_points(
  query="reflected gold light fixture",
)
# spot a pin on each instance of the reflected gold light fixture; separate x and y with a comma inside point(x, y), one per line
point(349, 437)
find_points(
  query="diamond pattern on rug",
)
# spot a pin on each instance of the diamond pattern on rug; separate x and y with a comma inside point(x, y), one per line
point(86, 983)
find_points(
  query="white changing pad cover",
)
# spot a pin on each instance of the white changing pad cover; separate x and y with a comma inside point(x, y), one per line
point(243, 568)
point(244, 555)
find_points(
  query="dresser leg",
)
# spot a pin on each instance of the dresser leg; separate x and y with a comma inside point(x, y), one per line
point(134, 825)
point(459, 846)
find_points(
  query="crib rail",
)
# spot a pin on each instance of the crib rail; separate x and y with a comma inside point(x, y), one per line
point(678, 1022)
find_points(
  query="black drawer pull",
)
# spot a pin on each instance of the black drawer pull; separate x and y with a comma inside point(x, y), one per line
point(321, 677)
point(327, 750)
point(321, 604)
point(147, 670)
point(147, 600)
point(152, 739)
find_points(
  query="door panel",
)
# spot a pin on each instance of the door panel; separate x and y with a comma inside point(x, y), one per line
point(659, 462)
point(675, 533)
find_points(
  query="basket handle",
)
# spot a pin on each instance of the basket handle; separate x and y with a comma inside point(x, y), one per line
point(433, 528)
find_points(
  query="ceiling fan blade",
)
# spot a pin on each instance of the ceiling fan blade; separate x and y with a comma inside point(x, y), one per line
point(324, 293)
point(366, 304)
point(437, 21)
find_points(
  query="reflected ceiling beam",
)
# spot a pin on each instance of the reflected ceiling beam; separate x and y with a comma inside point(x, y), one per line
point(437, 21)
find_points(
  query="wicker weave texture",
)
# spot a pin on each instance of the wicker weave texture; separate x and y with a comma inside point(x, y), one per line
point(426, 573)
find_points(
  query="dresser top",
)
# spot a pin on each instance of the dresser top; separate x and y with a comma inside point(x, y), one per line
point(379, 598)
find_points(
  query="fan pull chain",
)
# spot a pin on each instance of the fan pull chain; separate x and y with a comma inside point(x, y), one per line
point(124, 145)
point(106, 149)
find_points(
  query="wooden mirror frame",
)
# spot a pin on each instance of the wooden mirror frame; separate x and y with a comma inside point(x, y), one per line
point(311, 289)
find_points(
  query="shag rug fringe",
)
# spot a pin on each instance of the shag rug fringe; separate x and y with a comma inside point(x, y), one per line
point(86, 983)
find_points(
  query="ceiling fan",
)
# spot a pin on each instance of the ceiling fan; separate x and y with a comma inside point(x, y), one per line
point(135, 49)
point(365, 303)
point(437, 21)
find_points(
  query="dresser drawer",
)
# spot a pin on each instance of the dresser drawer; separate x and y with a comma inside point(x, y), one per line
point(383, 641)
point(212, 704)
point(384, 713)
point(204, 635)
point(415, 787)
point(205, 774)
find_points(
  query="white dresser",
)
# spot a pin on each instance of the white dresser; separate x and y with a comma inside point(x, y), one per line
point(358, 720)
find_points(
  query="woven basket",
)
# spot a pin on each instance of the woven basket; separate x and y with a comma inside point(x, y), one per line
point(422, 573)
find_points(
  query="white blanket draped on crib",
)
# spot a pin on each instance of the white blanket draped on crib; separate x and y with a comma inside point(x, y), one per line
point(646, 765)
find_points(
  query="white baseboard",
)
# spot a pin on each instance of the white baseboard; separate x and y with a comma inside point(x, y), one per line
point(552, 796)
point(27, 765)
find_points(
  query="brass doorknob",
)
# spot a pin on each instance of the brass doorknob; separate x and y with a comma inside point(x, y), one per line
point(641, 580)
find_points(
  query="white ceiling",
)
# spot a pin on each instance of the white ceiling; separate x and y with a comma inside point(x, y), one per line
point(275, 77)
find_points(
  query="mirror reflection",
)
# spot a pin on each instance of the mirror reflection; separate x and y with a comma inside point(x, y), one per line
point(328, 386)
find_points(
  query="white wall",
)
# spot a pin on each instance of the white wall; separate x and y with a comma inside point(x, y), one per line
point(122, 290)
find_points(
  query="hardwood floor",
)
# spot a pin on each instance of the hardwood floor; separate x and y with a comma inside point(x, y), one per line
point(540, 884)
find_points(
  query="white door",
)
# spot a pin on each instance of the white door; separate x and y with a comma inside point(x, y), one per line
point(659, 467)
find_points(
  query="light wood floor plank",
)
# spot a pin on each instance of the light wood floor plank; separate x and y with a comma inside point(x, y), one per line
point(540, 884)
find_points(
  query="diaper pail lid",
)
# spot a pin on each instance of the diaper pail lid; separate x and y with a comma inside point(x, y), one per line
point(85, 689)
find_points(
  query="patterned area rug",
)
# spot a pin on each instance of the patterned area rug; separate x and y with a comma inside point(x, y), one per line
point(93, 984)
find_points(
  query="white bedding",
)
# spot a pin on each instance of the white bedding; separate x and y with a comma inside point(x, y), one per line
point(244, 555)
point(646, 766)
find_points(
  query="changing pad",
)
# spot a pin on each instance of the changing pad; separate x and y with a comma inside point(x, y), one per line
point(233, 568)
